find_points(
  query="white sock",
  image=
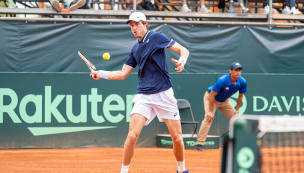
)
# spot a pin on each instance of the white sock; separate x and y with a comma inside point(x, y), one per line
point(152, 2)
point(124, 169)
point(181, 166)
point(184, 5)
point(203, 6)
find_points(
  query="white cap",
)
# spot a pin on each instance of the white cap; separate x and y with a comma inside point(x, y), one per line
point(136, 17)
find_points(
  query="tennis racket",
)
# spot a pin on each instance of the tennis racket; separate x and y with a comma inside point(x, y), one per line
point(87, 62)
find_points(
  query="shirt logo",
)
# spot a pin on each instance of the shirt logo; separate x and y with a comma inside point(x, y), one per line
point(227, 88)
point(175, 114)
point(147, 41)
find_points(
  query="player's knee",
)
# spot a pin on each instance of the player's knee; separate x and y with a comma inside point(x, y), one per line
point(132, 139)
point(177, 141)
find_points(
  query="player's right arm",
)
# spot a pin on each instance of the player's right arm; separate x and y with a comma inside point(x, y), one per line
point(214, 91)
point(127, 68)
point(121, 75)
point(113, 75)
point(210, 114)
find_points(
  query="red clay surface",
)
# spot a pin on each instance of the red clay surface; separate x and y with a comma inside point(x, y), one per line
point(104, 160)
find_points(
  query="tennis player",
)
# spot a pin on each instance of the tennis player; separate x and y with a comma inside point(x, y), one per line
point(217, 97)
point(154, 95)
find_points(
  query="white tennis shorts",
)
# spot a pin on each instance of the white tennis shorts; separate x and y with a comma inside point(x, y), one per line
point(163, 105)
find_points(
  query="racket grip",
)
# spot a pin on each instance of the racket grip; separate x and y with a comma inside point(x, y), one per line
point(94, 75)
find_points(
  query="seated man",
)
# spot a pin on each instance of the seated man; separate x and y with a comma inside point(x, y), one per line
point(148, 5)
point(203, 8)
point(72, 4)
point(293, 8)
point(243, 8)
point(139, 5)
point(128, 5)
point(286, 9)
point(11, 4)
point(221, 6)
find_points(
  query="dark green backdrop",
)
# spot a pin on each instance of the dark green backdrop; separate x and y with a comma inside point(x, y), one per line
point(50, 47)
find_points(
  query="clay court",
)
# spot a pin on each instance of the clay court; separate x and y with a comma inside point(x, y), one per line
point(103, 160)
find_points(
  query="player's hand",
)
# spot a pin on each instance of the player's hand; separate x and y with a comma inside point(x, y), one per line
point(237, 114)
point(94, 75)
point(210, 117)
point(180, 65)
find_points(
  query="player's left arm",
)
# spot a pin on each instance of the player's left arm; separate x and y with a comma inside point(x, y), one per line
point(239, 103)
point(184, 54)
point(242, 90)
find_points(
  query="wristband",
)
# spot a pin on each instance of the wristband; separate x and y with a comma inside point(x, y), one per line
point(103, 74)
point(236, 111)
point(183, 60)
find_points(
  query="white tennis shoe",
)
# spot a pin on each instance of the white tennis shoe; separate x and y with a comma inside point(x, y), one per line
point(204, 9)
point(286, 10)
point(266, 9)
point(185, 9)
point(295, 11)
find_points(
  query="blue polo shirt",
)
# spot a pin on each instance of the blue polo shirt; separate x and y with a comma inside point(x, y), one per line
point(224, 87)
point(149, 55)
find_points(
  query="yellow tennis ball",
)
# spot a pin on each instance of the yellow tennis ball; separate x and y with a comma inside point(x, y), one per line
point(106, 56)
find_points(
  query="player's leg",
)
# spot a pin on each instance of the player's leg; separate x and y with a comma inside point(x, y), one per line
point(205, 126)
point(142, 114)
point(243, 8)
point(137, 122)
point(227, 109)
point(165, 106)
point(175, 130)
point(56, 5)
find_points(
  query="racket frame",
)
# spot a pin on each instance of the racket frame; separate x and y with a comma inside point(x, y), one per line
point(87, 61)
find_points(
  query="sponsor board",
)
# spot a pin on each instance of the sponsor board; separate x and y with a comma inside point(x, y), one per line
point(51, 112)
point(37, 109)
point(190, 142)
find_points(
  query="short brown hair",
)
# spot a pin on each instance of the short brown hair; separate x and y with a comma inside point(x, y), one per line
point(143, 22)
